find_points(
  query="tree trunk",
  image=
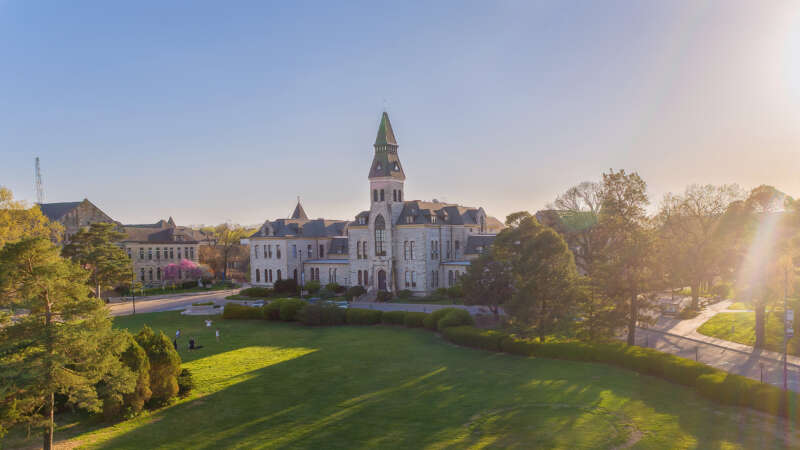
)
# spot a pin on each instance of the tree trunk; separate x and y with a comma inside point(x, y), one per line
point(760, 324)
point(632, 320)
point(48, 432)
point(695, 294)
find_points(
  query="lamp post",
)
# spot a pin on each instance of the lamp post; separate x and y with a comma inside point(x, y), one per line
point(133, 289)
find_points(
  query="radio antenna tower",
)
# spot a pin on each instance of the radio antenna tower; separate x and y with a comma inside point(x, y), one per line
point(39, 186)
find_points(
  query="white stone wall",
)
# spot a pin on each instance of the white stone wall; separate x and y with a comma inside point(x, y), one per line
point(157, 260)
point(265, 264)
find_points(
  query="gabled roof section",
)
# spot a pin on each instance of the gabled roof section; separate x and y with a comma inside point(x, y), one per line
point(161, 232)
point(421, 212)
point(299, 212)
point(55, 211)
point(302, 228)
point(385, 132)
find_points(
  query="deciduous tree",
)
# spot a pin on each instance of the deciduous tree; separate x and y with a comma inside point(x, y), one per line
point(18, 221)
point(488, 282)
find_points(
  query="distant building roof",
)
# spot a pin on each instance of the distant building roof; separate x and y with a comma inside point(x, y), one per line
point(479, 243)
point(386, 163)
point(299, 212)
point(163, 231)
point(417, 212)
point(55, 211)
point(302, 228)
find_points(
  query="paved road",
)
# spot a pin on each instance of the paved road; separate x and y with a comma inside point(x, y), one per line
point(148, 305)
point(680, 337)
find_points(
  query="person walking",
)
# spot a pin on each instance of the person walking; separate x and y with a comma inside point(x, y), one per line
point(177, 334)
point(217, 333)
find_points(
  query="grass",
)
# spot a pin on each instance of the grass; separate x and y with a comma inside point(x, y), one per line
point(740, 305)
point(281, 385)
point(148, 292)
point(430, 300)
point(740, 327)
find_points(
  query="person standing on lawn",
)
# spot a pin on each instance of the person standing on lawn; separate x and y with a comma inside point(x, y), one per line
point(217, 333)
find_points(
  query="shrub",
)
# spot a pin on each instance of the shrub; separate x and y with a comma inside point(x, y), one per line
point(440, 293)
point(326, 293)
point(257, 292)
point(237, 311)
point(721, 290)
point(290, 307)
point(272, 310)
point(455, 292)
point(383, 296)
point(393, 317)
point(165, 365)
point(405, 293)
point(185, 383)
point(359, 316)
point(474, 337)
point(312, 286)
point(336, 288)
point(189, 284)
point(322, 313)
point(432, 321)
point(415, 319)
point(688, 313)
point(515, 346)
point(202, 303)
point(134, 358)
point(355, 292)
point(286, 286)
point(455, 318)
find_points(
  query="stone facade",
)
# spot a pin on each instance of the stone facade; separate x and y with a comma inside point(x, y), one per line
point(75, 216)
point(152, 247)
point(395, 245)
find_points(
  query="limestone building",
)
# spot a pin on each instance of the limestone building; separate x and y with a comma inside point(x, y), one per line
point(74, 216)
point(396, 244)
point(152, 247)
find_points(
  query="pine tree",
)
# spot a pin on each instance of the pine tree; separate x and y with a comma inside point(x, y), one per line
point(96, 250)
point(62, 344)
point(165, 365)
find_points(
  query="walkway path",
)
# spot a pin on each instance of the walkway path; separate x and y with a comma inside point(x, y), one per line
point(169, 303)
point(680, 337)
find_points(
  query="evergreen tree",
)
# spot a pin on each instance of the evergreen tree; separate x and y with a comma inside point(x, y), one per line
point(63, 344)
point(165, 365)
point(488, 282)
point(96, 250)
point(116, 404)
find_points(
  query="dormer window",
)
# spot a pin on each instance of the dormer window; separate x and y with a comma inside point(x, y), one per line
point(378, 167)
point(362, 220)
point(396, 166)
point(409, 219)
point(434, 219)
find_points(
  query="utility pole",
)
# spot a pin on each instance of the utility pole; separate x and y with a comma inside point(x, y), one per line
point(38, 183)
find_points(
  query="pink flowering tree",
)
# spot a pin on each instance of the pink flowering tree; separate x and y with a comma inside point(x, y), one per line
point(186, 270)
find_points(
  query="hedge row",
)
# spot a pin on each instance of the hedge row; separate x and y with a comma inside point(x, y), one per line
point(709, 382)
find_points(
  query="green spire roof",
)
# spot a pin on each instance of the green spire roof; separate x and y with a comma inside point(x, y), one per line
point(385, 132)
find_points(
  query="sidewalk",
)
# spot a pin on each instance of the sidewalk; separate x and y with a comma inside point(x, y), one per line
point(680, 337)
point(226, 292)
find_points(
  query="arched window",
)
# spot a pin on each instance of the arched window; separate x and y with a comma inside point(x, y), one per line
point(399, 196)
point(279, 274)
point(258, 276)
point(158, 274)
point(270, 275)
point(358, 249)
point(394, 195)
point(380, 236)
point(360, 278)
point(366, 281)
point(374, 195)
point(381, 194)
point(449, 278)
point(295, 275)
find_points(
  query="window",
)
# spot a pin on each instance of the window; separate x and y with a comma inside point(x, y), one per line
point(374, 195)
point(180, 274)
point(171, 253)
point(294, 251)
point(434, 249)
point(433, 218)
point(270, 275)
point(150, 274)
point(407, 279)
point(447, 247)
point(264, 249)
point(413, 279)
point(411, 250)
point(158, 274)
point(362, 220)
point(321, 250)
point(309, 251)
point(191, 252)
point(141, 255)
point(381, 194)
point(142, 273)
point(394, 195)
point(270, 250)
point(330, 274)
point(317, 269)
point(158, 252)
point(358, 256)
point(457, 247)
point(277, 252)
point(360, 278)
point(380, 236)
point(294, 275)
point(405, 249)
point(279, 275)
point(255, 252)
point(179, 253)
point(149, 253)
point(258, 276)
point(399, 196)
point(449, 278)
point(409, 219)
point(435, 279)
point(366, 281)
point(364, 245)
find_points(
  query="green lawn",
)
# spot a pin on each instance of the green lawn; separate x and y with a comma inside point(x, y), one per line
point(148, 292)
point(740, 305)
point(281, 385)
point(740, 327)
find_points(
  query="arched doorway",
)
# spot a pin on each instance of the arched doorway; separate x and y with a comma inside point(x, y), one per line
point(381, 280)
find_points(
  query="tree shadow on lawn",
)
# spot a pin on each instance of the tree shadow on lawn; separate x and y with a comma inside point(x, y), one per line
point(400, 388)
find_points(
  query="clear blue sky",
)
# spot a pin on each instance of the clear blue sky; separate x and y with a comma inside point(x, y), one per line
point(215, 111)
